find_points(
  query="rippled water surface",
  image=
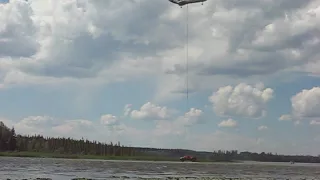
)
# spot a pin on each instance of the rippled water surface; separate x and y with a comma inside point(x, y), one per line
point(62, 169)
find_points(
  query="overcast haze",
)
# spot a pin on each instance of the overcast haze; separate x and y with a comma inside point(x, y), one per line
point(112, 70)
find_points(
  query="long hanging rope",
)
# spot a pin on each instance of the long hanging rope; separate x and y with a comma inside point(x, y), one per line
point(187, 56)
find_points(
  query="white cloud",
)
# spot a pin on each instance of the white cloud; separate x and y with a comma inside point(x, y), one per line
point(242, 100)
point(38, 121)
point(35, 124)
point(60, 46)
point(192, 117)
point(165, 128)
point(314, 122)
point(306, 104)
point(72, 128)
point(179, 125)
point(152, 112)
point(228, 123)
point(47, 43)
point(127, 109)
point(50, 126)
point(261, 128)
point(109, 120)
point(250, 41)
point(17, 30)
point(285, 117)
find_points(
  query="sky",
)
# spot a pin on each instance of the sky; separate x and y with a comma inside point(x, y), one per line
point(116, 71)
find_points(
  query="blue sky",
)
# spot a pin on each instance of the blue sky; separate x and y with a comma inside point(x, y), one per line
point(114, 72)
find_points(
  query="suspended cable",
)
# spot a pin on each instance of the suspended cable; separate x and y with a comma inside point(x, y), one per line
point(187, 55)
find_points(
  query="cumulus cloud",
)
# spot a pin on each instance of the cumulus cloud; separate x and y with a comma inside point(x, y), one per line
point(305, 106)
point(151, 111)
point(17, 30)
point(109, 120)
point(192, 117)
point(242, 100)
point(46, 42)
point(259, 41)
point(306, 103)
point(285, 117)
point(56, 44)
point(75, 128)
point(228, 123)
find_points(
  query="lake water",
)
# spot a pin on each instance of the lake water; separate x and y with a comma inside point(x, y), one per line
point(62, 169)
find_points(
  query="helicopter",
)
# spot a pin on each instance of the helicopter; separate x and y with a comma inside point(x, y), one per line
point(185, 2)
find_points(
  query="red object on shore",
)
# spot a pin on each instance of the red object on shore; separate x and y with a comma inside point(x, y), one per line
point(188, 158)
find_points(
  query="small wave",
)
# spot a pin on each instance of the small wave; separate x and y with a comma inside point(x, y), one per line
point(192, 178)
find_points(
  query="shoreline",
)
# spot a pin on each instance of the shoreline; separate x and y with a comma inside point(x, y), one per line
point(96, 157)
point(78, 156)
point(26, 154)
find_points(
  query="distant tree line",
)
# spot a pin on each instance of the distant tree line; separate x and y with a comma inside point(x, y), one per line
point(262, 157)
point(9, 141)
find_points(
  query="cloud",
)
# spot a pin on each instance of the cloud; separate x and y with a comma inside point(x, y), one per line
point(228, 123)
point(248, 41)
point(242, 100)
point(259, 40)
point(180, 124)
point(55, 44)
point(314, 122)
point(192, 117)
point(72, 128)
point(262, 128)
point(151, 111)
point(17, 30)
point(38, 121)
point(109, 120)
point(35, 124)
point(305, 105)
point(127, 109)
point(285, 117)
point(46, 42)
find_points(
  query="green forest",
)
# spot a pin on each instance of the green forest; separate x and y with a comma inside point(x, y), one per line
point(12, 144)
